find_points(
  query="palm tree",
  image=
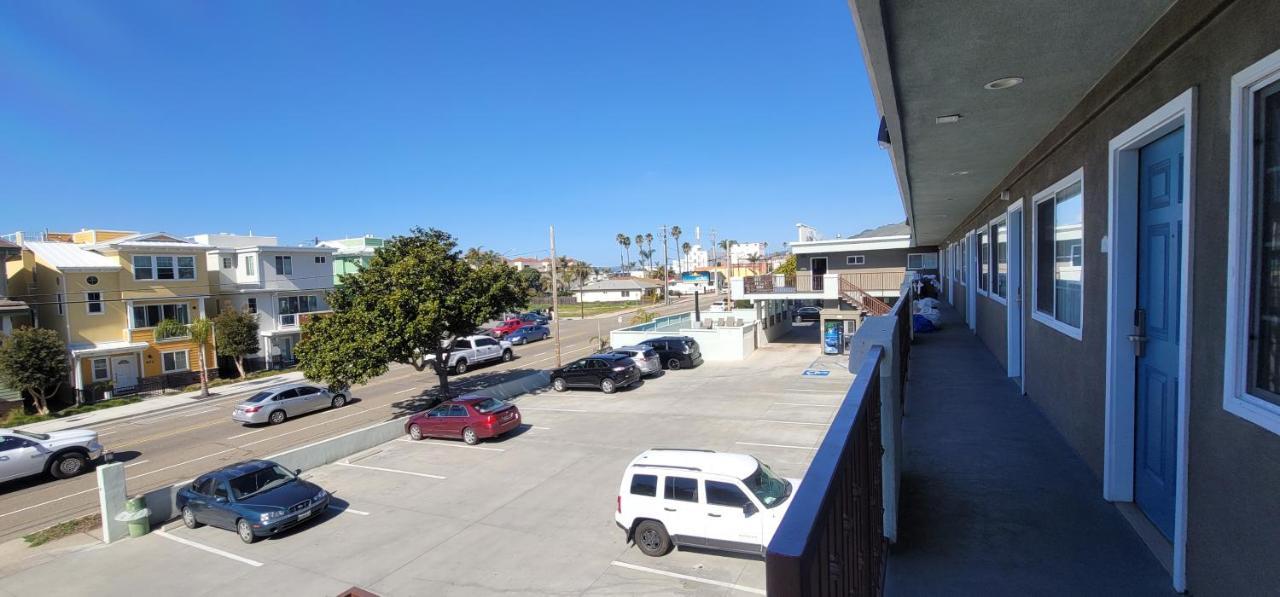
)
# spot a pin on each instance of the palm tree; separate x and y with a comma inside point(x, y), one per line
point(754, 259)
point(648, 240)
point(639, 247)
point(675, 232)
point(626, 244)
point(201, 330)
point(685, 248)
point(622, 240)
point(727, 245)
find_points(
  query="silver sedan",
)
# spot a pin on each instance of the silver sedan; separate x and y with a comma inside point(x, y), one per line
point(277, 404)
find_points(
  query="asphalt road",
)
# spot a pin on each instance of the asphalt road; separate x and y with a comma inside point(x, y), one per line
point(174, 445)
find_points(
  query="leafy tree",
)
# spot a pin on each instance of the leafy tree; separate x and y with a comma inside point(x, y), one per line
point(407, 306)
point(622, 241)
point(648, 241)
point(477, 256)
point(237, 335)
point(34, 361)
point(170, 328)
point(686, 247)
point(532, 280)
point(788, 266)
point(642, 316)
point(201, 330)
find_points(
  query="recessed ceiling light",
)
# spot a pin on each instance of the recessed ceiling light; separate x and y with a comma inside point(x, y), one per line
point(948, 119)
point(960, 173)
point(1004, 83)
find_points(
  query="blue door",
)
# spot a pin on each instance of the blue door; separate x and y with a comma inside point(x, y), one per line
point(1156, 318)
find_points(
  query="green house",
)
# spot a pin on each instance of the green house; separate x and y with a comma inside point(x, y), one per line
point(352, 255)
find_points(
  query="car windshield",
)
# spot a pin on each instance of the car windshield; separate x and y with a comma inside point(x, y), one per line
point(259, 397)
point(771, 489)
point(488, 405)
point(259, 481)
point(39, 436)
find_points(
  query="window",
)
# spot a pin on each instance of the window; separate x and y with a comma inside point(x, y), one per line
point(1000, 259)
point(963, 263)
point(164, 267)
point(143, 268)
point(922, 261)
point(457, 410)
point(248, 266)
point(91, 280)
point(644, 485)
point(682, 489)
point(284, 265)
point(203, 486)
point(320, 259)
point(147, 316)
point(253, 305)
point(299, 304)
point(720, 493)
point(984, 261)
point(174, 361)
point(461, 344)
point(1059, 255)
point(1252, 359)
point(486, 342)
point(219, 490)
point(855, 260)
point(100, 371)
point(93, 302)
point(228, 262)
point(60, 306)
point(186, 268)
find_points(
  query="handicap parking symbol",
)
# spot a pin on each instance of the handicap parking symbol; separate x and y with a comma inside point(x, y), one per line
point(816, 373)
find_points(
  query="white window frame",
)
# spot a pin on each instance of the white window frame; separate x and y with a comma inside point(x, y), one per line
point(924, 261)
point(151, 266)
point(154, 266)
point(186, 361)
point(1236, 398)
point(133, 320)
point(89, 302)
point(980, 233)
point(93, 368)
point(228, 262)
point(992, 239)
point(1047, 194)
point(855, 260)
point(320, 259)
point(249, 267)
point(281, 261)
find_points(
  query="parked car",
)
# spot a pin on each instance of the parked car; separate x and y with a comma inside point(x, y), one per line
point(470, 418)
point(63, 454)
point(646, 358)
point(701, 498)
point(607, 371)
point(809, 313)
point(506, 327)
point(278, 404)
point(529, 333)
point(676, 352)
point(254, 498)
point(534, 318)
point(474, 350)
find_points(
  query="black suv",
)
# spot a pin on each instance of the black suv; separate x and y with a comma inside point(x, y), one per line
point(608, 371)
point(676, 351)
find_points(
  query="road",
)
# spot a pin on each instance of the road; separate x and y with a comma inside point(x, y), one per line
point(177, 444)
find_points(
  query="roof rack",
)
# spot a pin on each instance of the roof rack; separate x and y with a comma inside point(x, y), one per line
point(680, 450)
point(683, 468)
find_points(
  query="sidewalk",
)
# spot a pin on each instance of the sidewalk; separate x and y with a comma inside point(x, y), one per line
point(158, 403)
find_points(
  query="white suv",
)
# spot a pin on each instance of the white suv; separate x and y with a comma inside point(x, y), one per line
point(701, 498)
point(472, 350)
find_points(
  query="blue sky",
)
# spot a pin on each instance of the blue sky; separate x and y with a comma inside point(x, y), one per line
point(490, 120)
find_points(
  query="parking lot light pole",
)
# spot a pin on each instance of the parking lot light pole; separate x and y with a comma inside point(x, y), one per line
point(666, 268)
point(555, 295)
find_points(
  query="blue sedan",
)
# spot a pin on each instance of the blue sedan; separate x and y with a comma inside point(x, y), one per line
point(528, 334)
point(255, 498)
point(534, 318)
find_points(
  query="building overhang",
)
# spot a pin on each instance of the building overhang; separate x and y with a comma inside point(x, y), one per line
point(80, 351)
point(841, 245)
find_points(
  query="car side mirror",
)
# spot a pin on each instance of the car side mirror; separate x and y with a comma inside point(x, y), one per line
point(748, 509)
point(297, 471)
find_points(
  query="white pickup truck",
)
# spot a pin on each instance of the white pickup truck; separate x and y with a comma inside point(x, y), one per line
point(62, 454)
point(472, 350)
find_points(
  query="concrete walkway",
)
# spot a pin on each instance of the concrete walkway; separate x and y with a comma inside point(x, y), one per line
point(994, 501)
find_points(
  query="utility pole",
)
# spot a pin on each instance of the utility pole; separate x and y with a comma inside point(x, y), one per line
point(666, 269)
point(715, 269)
point(555, 295)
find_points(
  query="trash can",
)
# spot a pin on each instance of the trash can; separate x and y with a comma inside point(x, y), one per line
point(137, 515)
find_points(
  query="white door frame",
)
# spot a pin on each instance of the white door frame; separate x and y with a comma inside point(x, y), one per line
point(1122, 220)
point(1014, 330)
point(971, 285)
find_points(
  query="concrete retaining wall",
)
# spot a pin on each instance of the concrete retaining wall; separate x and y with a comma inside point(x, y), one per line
point(717, 344)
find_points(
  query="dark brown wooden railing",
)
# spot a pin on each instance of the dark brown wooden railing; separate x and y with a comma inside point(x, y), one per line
point(856, 295)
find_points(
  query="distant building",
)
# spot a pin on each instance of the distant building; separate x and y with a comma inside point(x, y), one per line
point(618, 290)
point(352, 255)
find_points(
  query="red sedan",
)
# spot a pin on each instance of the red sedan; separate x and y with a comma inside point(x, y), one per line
point(471, 419)
point(508, 326)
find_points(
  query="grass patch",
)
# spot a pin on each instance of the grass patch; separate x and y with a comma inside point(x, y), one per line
point(63, 529)
point(590, 309)
point(213, 383)
point(16, 417)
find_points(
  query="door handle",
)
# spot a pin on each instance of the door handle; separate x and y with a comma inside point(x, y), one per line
point(713, 515)
point(1139, 335)
point(669, 509)
point(2, 458)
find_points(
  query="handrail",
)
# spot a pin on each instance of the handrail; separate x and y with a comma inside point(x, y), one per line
point(856, 295)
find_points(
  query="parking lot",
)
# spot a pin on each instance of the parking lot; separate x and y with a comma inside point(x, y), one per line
point(529, 513)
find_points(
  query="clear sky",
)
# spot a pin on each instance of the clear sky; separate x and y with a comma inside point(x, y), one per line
point(488, 119)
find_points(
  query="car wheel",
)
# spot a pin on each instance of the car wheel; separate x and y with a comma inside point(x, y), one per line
point(469, 436)
point(461, 367)
point(245, 531)
point(559, 384)
point(277, 417)
point(652, 539)
point(339, 401)
point(673, 364)
point(507, 356)
point(69, 465)
point(415, 432)
point(607, 386)
point(189, 518)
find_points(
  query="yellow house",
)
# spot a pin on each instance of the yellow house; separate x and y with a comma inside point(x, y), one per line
point(106, 291)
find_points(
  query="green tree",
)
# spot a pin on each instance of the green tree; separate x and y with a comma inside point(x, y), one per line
point(477, 256)
point(648, 241)
point(788, 266)
point(415, 297)
point(237, 336)
point(201, 330)
point(622, 241)
point(675, 233)
point(532, 280)
point(34, 361)
point(685, 248)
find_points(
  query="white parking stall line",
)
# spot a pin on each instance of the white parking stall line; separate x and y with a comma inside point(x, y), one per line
point(449, 445)
point(342, 510)
point(707, 581)
point(405, 391)
point(558, 410)
point(389, 470)
point(806, 404)
point(212, 550)
point(540, 428)
point(792, 422)
point(775, 446)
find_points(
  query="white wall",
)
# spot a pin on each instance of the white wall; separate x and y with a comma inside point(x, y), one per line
point(307, 274)
point(611, 296)
point(717, 344)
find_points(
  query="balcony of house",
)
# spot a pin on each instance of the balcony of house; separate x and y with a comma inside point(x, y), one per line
point(938, 477)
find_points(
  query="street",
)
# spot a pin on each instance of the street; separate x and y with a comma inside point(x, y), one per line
point(177, 444)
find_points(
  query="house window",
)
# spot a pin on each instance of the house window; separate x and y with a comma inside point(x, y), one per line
point(1059, 255)
point(253, 305)
point(248, 266)
point(93, 302)
point(984, 260)
point(299, 304)
point(100, 371)
point(91, 280)
point(60, 306)
point(284, 265)
point(228, 262)
point(174, 361)
point(320, 259)
point(164, 267)
point(1252, 361)
point(922, 261)
point(148, 316)
point(1000, 259)
point(143, 268)
point(855, 260)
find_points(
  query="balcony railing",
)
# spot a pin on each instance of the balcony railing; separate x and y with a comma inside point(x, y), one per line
point(800, 282)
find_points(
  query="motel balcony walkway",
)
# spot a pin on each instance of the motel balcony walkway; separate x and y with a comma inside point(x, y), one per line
point(994, 501)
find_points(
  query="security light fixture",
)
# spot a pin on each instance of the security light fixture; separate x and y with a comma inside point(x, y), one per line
point(948, 119)
point(1004, 83)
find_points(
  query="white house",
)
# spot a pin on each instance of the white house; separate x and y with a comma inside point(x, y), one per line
point(617, 290)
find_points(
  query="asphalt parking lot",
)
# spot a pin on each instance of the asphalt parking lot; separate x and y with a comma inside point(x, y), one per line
point(530, 513)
